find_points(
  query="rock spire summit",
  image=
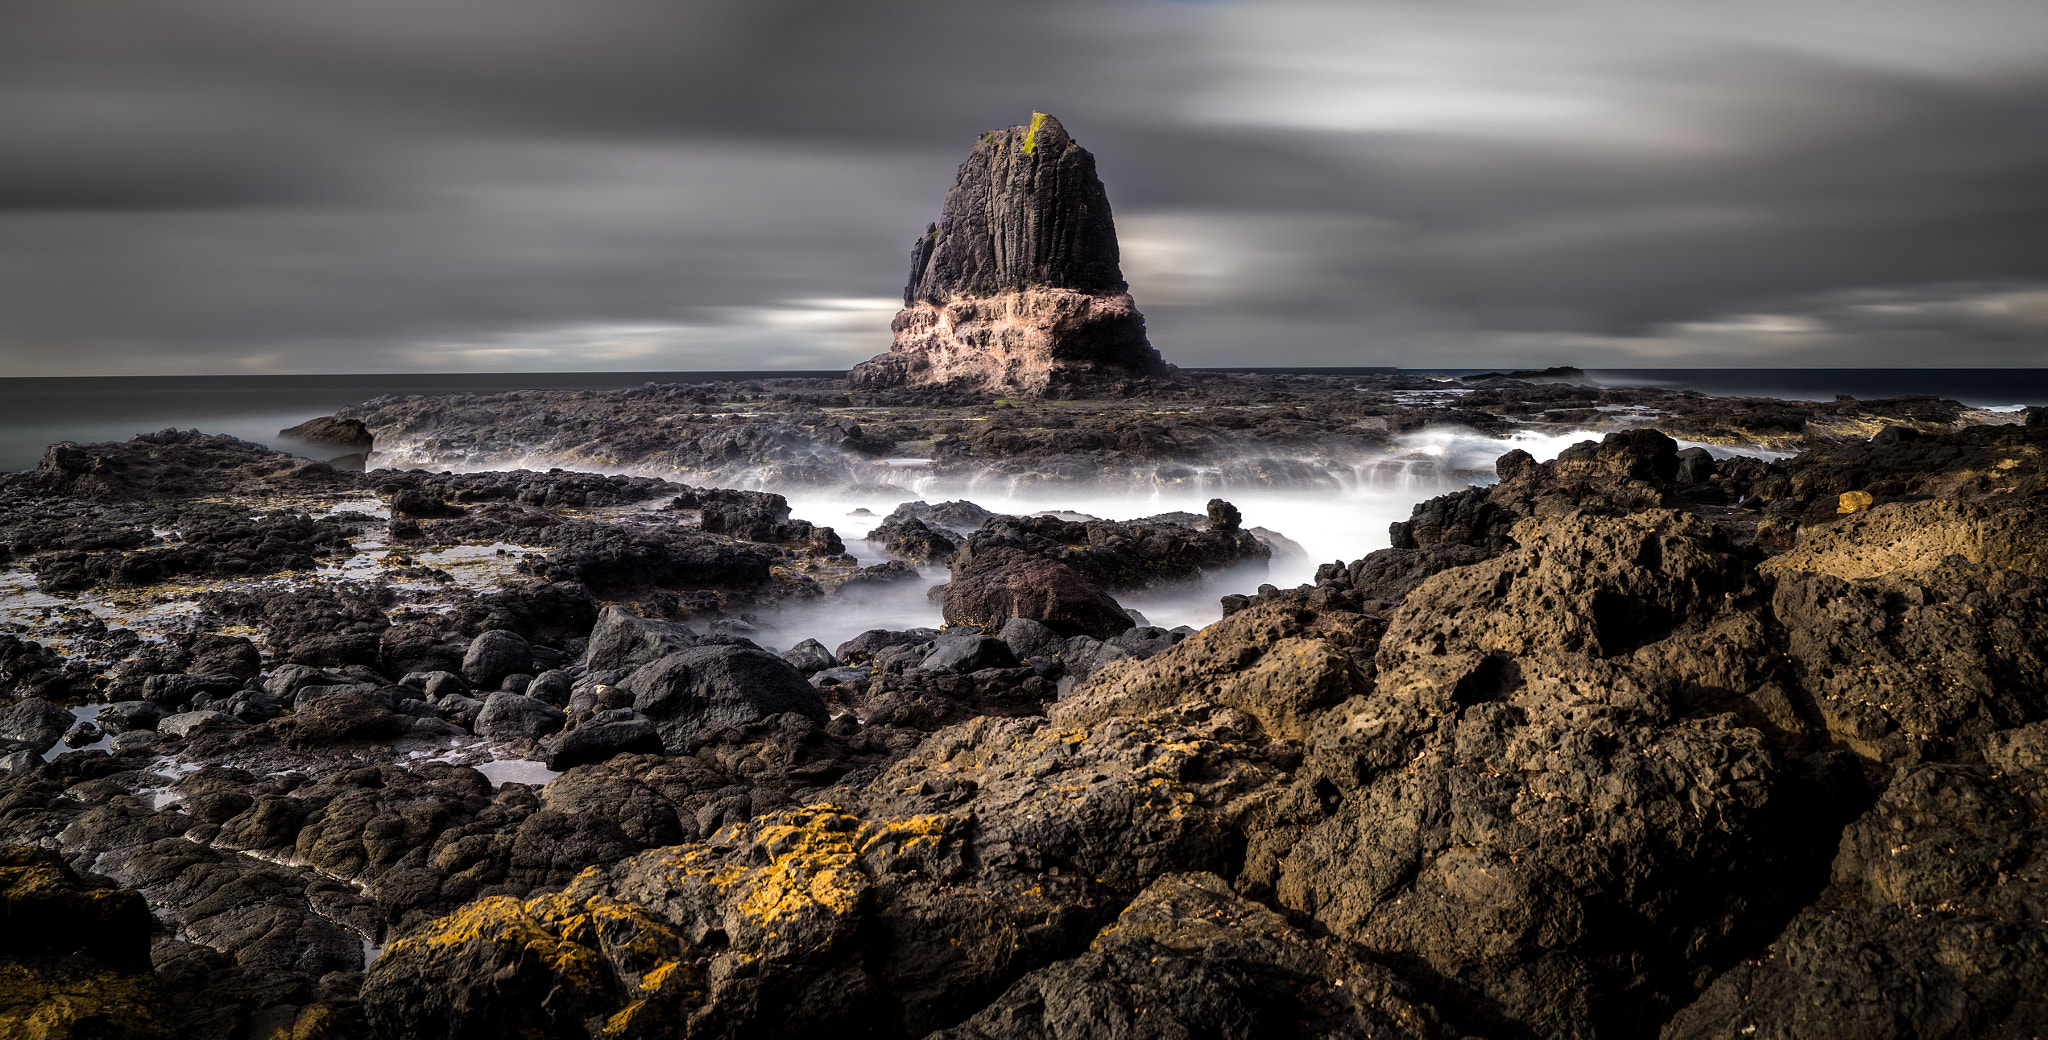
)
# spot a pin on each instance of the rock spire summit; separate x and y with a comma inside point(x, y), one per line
point(1017, 286)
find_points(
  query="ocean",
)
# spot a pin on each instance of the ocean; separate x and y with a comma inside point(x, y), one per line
point(37, 412)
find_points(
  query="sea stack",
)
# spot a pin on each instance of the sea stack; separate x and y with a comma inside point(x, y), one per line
point(1017, 288)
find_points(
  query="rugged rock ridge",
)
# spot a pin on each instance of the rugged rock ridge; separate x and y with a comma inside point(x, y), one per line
point(1017, 286)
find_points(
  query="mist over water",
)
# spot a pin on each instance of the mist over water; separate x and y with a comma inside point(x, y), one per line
point(1334, 509)
point(1341, 517)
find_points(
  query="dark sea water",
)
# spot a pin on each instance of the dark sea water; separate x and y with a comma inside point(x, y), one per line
point(1978, 387)
point(41, 411)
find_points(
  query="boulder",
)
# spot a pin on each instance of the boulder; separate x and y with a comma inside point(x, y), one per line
point(910, 539)
point(1028, 638)
point(186, 723)
point(420, 505)
point(623, 640)
point(552, 686)
point(435, 685)
point(35, 722)
point(217, 654)
point(81, 733)
point(599, 737)
point(376, 693)
point(328, 431)
point(1002, 583)
point(133, 739)
point(810, 656)
point(704, 688)
point(874, 641)
point(170, 691)
point(342, 719)
point(964, 650)
point(284, 681)
point(515, 716)
point(495, 654)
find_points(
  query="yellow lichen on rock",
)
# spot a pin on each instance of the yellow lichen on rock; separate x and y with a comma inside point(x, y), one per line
point(54, 1002)
point(1853, 501)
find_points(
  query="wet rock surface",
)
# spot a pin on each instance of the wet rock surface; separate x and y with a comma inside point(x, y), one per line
point(1632, 742)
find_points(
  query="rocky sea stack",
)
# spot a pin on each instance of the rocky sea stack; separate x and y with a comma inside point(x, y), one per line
point(1018, 288)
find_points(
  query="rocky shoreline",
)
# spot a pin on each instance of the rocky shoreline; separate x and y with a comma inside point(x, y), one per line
point(1642, 740)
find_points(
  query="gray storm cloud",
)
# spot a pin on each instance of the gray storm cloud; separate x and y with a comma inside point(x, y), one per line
point(228, 185)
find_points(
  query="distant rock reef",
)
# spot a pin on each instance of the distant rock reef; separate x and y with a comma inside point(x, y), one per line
point(1018, 288)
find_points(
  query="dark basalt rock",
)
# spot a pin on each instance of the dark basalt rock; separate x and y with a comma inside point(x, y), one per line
point(326, 625)
point(757, 516)
point(620, 558)
point(74, 954)
point(328, 431)
point(1018, 285)
point(623, 640)
point(30, 669)
point(493, 655)
point(1592, 754)
point(894, 915)
point(1001, 583)
point(694, 691)
point(1123, 556)
point(1932, 925)
point(1189, 957)
point(1026, 211)
point(515, 716)
point(176, 463)
point(613, 732)
point(909, 538)
point(554, 489)
point(213, 540)
point(35, 722)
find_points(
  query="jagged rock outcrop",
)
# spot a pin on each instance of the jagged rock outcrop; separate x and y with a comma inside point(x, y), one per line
point(1017, 287)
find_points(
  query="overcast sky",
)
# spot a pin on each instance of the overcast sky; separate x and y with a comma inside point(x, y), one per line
point(218, 186)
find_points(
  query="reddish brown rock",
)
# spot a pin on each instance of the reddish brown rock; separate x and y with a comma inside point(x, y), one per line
point(1002, 583)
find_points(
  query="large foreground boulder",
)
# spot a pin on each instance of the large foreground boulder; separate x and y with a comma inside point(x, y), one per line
point(1935, 925)
point(1190, 958)
point(1920, 628)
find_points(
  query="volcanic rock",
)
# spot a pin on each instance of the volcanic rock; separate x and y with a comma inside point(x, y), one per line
point(603, 735)
point(34, 721)
point(692, 691)
point(1003, 583)
point(329, 431)
point(494, 655)
point(510, 716)
point(1018, 286)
